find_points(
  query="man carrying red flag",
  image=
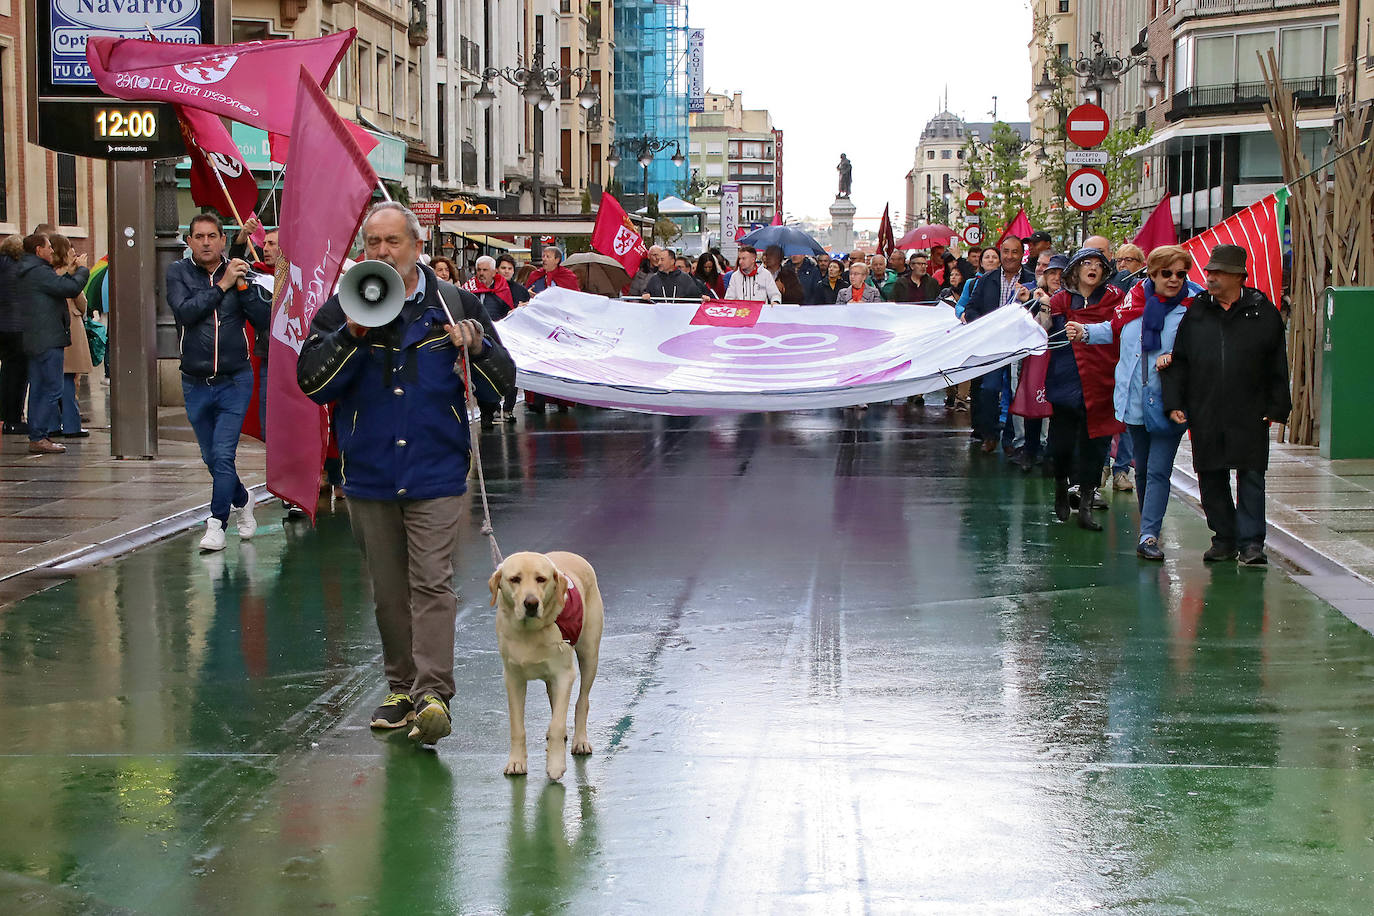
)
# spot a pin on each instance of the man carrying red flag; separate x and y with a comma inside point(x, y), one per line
point(406, 448)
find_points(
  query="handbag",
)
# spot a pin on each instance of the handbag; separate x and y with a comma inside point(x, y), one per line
point(1030, 400)
point(97, 335)
point(1156, 420)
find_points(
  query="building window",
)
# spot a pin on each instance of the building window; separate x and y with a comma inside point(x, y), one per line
point(365, 73)
point(66, 190)
point(945, 154)
point(961, 154)
point(440, 30)
point(441, 135)
point(1061, 51)
point(1063, 6)
point(930, 154)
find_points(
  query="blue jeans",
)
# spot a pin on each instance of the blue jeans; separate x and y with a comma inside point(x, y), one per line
point(71, 411)
point(1124, 455)
point(216, 413)
point(1154, 465)
point(45, 394)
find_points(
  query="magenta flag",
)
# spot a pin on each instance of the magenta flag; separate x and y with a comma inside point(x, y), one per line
point(242, 82)
point(327, 188)
point(1020, 227)
point(1158, 229)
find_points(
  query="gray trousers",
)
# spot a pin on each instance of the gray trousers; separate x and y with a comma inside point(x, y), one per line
point(408, 547)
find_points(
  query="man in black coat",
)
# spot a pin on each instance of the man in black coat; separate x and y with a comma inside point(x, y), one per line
point(669, 281)
point(1228, 379)
point(42, 298)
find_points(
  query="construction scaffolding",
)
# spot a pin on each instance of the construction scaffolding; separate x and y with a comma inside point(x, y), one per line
point(651, 90)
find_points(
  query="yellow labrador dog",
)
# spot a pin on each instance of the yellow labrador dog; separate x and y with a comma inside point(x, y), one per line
point(548, 609)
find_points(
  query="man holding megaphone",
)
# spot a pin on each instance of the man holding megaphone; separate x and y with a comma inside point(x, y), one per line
point(389, 349)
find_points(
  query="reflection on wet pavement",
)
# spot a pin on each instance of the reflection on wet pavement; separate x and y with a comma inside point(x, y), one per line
point(848, 666)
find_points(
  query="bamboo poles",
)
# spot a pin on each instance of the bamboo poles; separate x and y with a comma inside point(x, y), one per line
point(1332, 235)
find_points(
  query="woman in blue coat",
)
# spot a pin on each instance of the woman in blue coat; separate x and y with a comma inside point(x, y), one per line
point(1146, 331)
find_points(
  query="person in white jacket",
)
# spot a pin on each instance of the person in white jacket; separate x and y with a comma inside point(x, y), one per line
point(751, 282)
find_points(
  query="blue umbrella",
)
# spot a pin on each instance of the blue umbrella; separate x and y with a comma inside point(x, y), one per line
point(792, 241)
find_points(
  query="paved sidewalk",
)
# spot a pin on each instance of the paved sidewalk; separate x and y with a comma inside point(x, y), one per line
point(57, 511)
point(1321, 521)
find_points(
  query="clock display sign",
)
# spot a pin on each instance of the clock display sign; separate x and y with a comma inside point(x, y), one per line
point(68, 113)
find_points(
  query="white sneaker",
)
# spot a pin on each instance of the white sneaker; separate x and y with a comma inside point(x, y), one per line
point(247, 525)
point(214, 535)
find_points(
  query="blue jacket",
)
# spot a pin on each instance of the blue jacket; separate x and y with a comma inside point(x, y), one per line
point(987, 295)
point(401, 415)
point(41, 294)
point(210, 321)
point(1131, 388)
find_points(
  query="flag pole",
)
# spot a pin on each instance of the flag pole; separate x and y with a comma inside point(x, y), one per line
point(227, 196)
point(1324, 165)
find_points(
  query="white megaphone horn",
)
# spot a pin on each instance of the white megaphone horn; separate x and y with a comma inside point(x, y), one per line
point(371, 293)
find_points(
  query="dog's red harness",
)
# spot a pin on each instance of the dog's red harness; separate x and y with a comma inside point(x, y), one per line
point(570, 618)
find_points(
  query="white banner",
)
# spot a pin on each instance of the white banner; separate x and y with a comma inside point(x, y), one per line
point(729, 220)
point(648, 358)
point(696, 70)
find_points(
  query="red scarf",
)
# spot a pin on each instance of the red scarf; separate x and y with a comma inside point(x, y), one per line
point(856, 294)
point(499, 287)
point(560, 276)
point(570, 618)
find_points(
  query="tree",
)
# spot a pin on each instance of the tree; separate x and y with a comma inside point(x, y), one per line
point(665, 230)
point(997, 169)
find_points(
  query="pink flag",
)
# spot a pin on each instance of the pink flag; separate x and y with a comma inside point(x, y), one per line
point(1019, 227)
point(728, 313)
point(1158, 229)
point(242, 82)
point(323, 199)
point(777, 218)
point(217, 166)
point(279, 145)
point(1257, 229)
point(614, 235)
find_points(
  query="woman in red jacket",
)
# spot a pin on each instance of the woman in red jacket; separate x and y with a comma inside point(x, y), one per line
point(1080, 382)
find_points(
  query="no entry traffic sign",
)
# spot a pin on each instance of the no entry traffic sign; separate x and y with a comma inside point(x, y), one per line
point(1087, 125)
point(974, 202)
point(973, 235)
point(1086, 189)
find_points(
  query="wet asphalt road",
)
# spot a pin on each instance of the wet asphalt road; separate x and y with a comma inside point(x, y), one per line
point(848, 667)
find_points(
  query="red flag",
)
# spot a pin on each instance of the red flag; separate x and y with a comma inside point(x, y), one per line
point(887, 241)
point(1020, 227)
point(242, 82)
point(1158, 229)
point(217, 166)
point(279, 145)
point(614, 235)
point(728, 313)
point(777, 218)
point(1257, 229)
point(323, 200)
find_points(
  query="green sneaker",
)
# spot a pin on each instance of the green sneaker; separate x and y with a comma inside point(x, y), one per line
point(432, 721)
point(396, 710)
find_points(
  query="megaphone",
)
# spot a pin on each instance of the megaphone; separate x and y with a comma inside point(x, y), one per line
point(372, 293)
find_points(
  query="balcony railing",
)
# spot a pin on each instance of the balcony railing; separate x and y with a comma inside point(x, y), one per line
point(1186, 8)
point(1307, 91)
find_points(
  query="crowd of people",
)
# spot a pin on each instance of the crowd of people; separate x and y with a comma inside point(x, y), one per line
point(47, 301)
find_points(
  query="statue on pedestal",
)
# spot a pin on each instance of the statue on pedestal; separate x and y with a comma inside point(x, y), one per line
point(846, 170)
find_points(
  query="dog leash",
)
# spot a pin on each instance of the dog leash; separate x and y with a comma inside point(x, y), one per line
point(471, 401)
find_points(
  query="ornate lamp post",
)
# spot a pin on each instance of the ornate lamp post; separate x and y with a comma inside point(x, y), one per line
point(536, 84)
point(1100, 72)
point(643, 149)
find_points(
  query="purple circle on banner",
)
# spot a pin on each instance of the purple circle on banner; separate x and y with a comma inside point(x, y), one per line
point(773, 344)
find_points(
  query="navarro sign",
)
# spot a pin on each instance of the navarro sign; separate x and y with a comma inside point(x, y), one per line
point(74, 21)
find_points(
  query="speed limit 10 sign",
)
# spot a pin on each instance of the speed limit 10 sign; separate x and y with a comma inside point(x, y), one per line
point(973, 235)
point(1086, 189)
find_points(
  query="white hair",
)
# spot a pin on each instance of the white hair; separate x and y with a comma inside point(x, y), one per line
point(412, 221)
point(486, 260)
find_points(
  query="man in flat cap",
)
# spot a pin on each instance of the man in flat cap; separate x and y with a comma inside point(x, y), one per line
point(1228, 380)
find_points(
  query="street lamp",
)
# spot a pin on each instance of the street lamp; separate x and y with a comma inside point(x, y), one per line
point(1101, 72)
point(535, 84)
point(643, 149)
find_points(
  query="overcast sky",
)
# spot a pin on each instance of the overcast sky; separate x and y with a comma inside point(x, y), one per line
point(862, 77)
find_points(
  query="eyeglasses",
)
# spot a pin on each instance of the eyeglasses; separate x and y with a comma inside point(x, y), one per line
point(1170, 274)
